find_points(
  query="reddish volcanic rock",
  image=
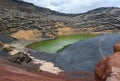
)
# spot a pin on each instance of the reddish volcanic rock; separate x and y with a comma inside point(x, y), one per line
point(116, 48)
point(108, 69)
point(102, 70)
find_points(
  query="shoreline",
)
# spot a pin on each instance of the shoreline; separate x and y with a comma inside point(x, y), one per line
point(20, 46)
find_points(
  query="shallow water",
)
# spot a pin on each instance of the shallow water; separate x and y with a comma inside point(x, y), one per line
point(54, 45)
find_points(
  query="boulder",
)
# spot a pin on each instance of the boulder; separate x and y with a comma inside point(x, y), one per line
point(108, 69)
point(116, 47)
point(20, 58)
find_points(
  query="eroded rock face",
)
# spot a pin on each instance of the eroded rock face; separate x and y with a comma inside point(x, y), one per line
point(108, 69)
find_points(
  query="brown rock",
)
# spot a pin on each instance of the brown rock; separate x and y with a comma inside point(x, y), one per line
point(116, 48)
point(104, 68)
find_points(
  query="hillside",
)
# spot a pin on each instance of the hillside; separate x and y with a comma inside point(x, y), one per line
point(76, 62)
point(16, 15)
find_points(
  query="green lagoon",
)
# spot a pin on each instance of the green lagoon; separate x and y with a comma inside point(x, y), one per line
point(54, 45)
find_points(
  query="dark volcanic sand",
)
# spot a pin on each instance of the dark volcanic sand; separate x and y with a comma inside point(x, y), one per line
point(83, 55)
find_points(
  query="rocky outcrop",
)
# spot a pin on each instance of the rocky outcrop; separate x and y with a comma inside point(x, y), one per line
point(108, 69)
point(20, 58)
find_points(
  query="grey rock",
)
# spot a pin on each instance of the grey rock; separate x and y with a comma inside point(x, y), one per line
point(20, 58)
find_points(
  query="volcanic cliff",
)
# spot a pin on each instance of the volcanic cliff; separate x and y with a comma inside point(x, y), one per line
point(17, 17)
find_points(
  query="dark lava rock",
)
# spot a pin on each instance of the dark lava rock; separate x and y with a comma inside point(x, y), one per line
point(20, 58)
point(1, 44)
point(16, 15)
point(6, 39)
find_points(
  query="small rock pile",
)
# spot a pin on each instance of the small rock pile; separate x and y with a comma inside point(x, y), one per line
point(20, 58)
point(108, 69)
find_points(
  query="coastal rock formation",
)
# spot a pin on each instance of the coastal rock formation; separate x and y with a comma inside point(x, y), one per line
point(108, 69)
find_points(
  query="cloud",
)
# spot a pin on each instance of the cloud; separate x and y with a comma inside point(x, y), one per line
point(74, 6)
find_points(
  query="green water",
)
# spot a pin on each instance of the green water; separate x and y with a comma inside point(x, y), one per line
point(54, 45)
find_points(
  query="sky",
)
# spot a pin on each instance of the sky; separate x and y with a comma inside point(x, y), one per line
point(74, 6)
